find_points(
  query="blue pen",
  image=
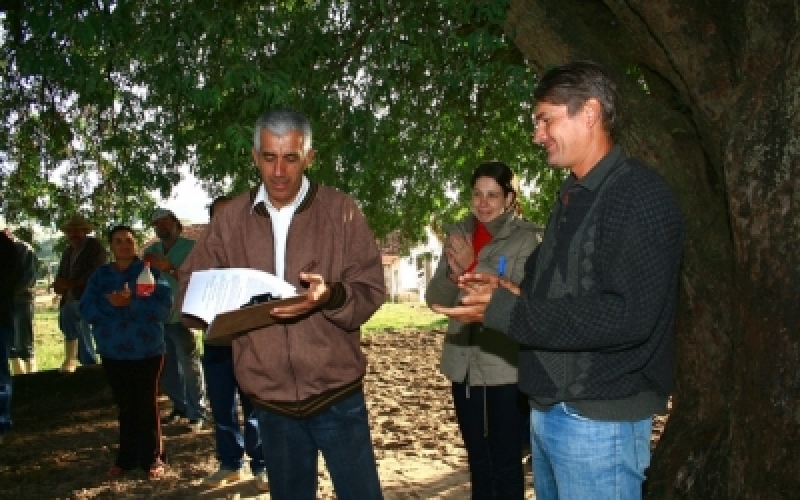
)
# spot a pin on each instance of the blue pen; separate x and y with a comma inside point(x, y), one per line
point(501, 266)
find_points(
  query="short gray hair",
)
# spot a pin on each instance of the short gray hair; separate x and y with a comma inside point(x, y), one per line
point(280, 122)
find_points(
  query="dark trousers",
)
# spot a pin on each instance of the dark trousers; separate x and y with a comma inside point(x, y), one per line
point(134, 385)
point(223, 392)
point(22, 347)
point(492, 419)
point(6, 335)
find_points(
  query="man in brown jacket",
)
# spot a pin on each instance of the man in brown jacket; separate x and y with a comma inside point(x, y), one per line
point(303, 374)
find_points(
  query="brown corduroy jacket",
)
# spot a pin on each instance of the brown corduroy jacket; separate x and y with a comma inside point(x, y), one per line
point(301, 366)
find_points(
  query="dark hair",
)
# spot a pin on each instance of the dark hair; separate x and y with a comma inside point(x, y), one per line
point(116, 229)
point(575, 83)
point(218, 199)
point(498, 171)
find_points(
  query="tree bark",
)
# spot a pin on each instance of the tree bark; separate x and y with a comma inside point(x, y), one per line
point(711, 95)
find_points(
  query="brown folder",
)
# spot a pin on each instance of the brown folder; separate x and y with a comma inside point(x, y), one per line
point(228, 325)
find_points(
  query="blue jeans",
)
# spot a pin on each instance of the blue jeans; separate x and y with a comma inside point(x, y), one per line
point(491, 420)
point(575, 458)
point(6, 335)
point(74, 327)
point(182, 379)
point(341, 433)
point(222, 395)
point(22, 346)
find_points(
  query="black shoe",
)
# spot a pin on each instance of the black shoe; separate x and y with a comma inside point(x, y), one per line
point(173, 418)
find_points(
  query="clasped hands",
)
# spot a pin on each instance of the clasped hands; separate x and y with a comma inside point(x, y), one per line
point(478, 289)
point(459, 254)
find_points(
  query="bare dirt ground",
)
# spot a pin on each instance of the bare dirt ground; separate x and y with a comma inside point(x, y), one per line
point(65, 434)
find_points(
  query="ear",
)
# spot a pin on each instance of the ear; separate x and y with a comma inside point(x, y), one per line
point(509, 200)
point(593, 110)
point(310, 156)
point(255, 156)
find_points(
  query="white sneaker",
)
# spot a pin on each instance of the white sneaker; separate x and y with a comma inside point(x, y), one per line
point(223, 476)
point(262, 482)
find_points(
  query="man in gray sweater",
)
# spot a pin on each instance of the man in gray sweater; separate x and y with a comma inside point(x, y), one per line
point(595, 312)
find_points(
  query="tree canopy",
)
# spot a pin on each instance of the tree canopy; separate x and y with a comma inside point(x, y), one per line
point(104, 101)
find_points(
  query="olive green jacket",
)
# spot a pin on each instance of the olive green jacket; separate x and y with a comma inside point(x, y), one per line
point(471, 352)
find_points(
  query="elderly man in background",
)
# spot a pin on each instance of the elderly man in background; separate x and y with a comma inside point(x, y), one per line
point(182, 379)
point(82, 256)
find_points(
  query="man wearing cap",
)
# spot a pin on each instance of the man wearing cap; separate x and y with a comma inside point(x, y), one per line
point(82, 256)
point(182, 379)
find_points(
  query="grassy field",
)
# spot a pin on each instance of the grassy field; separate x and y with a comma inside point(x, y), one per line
point(50, 342)
point(401, 316)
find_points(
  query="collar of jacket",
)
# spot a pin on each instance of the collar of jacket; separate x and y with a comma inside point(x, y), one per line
point(497, 224)
point(497, 227)
point(261, 209)
point(598, 174)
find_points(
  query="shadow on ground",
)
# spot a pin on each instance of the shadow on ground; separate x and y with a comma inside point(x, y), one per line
point(64, 435)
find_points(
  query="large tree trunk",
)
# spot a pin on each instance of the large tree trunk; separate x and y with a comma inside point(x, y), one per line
point(720, 119)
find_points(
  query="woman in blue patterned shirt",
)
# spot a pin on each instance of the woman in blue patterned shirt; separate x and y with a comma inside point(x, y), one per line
point(129, 334)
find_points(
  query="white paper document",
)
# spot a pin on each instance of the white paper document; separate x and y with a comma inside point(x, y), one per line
point(221, 290)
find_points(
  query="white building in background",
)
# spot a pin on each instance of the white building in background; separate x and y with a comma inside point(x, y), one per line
point(407, 273)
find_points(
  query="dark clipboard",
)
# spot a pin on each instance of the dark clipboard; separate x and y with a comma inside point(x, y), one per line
point(228, 325)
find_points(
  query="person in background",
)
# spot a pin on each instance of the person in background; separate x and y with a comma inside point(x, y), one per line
point(595, 312)
point(127, 325)
point(12, 272)
point(82, 256)
point(182, 379)
point(480, 362)
point(224, 397)
point(23, 359)
point(304, 373)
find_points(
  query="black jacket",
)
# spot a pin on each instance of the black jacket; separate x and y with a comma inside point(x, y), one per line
point(11, 271)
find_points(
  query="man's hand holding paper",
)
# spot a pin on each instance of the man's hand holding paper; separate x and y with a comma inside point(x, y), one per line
point(318, 293)
point(217, 291)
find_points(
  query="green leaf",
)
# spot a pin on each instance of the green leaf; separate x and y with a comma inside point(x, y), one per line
point(406, 99)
